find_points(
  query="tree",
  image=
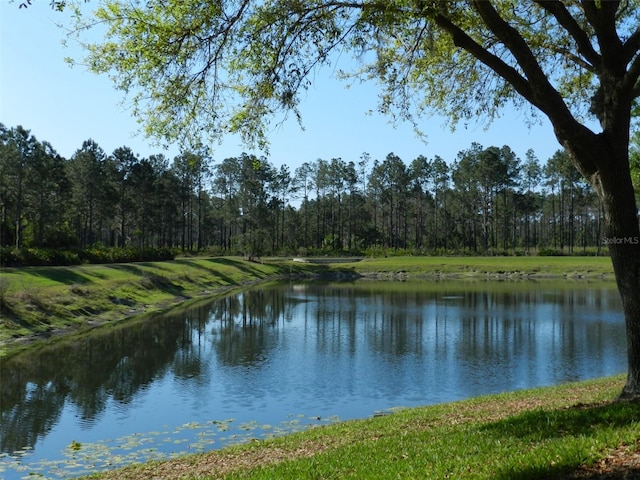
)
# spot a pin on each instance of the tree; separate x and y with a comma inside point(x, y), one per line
point(90, 193)
point(303, 184)
point(391, 180)
point(337, 193)
point(18, 152)
point(47, 194)
point(124, 161)
point(468, 196)
point(283, 187)
point(485, 181)
point(192, 169)
point(167, 186)
point(440, 172)
point(54, 4)
point(244, 183)
point(563, 179)
point(188, 63)
point(420, 174)
point(148, 200)
point(531, 175)
point(226, 186)
point(320, 180)
point(254, 180)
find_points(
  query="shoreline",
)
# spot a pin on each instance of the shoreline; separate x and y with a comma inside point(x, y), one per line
point(78, 299)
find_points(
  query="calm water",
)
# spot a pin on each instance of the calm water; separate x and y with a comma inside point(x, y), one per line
point(281, 357)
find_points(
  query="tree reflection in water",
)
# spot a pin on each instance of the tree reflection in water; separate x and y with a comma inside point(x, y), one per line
point(333, 348)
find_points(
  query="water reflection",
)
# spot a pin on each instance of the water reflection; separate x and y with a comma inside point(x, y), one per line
point(345, 349)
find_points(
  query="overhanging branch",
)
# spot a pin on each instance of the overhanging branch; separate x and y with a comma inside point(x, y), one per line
point(632, 46)
point(564, 18)
point(464, 41)
point(567, 129)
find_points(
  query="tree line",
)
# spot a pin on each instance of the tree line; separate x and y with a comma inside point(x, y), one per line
point(485, 201)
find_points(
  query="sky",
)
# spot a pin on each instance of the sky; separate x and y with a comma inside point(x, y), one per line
point(67, 105)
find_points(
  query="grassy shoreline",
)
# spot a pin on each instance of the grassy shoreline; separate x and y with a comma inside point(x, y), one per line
point(568, 431)
point(38, 303)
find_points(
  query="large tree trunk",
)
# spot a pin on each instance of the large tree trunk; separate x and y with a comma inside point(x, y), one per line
point(623, 240)
point(622, 235)
point(626, 264)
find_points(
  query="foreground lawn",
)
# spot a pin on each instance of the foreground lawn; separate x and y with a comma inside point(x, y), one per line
point(558, 432)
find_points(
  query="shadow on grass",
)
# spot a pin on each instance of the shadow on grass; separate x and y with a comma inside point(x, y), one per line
point(580, 421)
point(151, 280)
point(11, 318)
point(210, 270)
point(64, 275)
point(155, 265)
point(238, 264)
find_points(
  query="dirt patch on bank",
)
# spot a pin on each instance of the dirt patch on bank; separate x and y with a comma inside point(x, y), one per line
point(623, 463)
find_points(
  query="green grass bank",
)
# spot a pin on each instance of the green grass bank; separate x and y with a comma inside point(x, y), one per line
point(569, 431)
point(44, 302)
point(485, 267)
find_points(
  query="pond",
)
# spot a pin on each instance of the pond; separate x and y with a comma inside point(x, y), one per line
point(284, 356)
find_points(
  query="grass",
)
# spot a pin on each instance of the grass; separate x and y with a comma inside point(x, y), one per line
point(584, 267)
point(535, 434)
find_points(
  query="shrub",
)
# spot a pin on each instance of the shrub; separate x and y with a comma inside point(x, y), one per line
point(550, 252)
point(24, 257)
point(375, 251)
point(100, 254)
point(9, 257)
point(4, 288)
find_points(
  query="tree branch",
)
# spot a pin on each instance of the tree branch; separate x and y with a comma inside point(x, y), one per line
point(546, 97)
point(602, 17)
point(564, 18)
point(543, 95)
point(631, 78)
point(632, 45)
point(464, 41)
point(577, 60)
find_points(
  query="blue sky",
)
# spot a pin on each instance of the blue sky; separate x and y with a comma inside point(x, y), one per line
point(66, 106)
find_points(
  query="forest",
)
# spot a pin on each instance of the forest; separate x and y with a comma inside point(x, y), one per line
point(486, 201)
